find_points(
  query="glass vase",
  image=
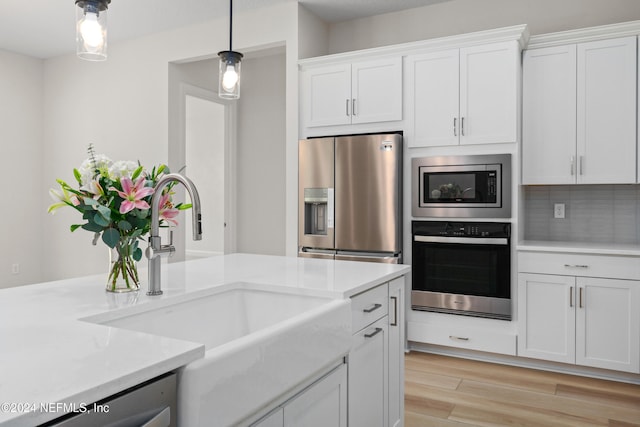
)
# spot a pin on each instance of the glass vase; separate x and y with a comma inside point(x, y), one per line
point(123, 268)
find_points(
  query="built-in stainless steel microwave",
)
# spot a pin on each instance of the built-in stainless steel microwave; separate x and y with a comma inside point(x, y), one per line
point(477, 186)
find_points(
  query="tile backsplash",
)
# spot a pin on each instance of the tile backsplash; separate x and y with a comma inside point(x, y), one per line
point(593, 213)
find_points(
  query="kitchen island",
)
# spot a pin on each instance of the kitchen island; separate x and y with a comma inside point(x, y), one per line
point(51, 354)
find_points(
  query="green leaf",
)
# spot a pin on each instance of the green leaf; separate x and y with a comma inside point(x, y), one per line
point(124, 225)
point(105, 212)
point(76, 173)
point(137, 254)
point(100, 220)
point(89, 201)
point(184, 206)
point(92, 226)
point(74, 227)
point(136, 173)
point(110, 237)
point(161, 169)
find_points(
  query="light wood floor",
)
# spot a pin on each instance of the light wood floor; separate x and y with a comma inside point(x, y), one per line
point(446, 391)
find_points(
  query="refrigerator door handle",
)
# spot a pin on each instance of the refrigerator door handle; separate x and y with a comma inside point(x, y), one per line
point(388, 258)
point(304, 252)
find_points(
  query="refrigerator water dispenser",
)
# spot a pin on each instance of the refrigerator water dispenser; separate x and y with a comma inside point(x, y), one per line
point(318, 210)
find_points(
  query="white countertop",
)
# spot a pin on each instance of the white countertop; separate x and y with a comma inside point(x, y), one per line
point(579, 247)
point(48, 355)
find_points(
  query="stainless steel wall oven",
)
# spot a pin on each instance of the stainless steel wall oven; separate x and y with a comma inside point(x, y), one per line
point(462, 268)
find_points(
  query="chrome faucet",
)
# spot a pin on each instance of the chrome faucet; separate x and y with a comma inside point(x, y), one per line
point(156, 248)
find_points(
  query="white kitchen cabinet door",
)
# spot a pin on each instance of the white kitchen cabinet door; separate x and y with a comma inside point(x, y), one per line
point(323, 404)
point(396, 352)
point(546, 310)
point(549, 116)
point(368, 376)
point(489, 93)
point(433, 98)
point(327, 95)
point(608, 324)
point(606, 121)
point(376, 90)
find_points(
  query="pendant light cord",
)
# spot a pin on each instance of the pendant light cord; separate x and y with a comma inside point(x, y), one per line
point(230, 24)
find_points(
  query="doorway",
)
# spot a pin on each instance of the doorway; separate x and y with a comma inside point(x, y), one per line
point(207, 157)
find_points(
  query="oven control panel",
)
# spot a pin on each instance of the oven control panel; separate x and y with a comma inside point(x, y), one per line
point(461, 229)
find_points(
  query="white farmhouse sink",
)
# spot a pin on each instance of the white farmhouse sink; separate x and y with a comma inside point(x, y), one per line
point(259, 344)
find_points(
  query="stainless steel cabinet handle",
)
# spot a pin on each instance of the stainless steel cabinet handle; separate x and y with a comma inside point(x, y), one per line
point(581, 166)
point(347, 104)
point(453, 337)
point(573, 165)
point(455, 128)
point(395, 311)
point(576, 265)
point(581, 298)
point(462, 126)
point(372, 308)
point(374, 333)
point(353, 106)
point(571, 296)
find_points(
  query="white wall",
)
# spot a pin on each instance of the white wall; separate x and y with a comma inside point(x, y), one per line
point(261, 151)
point(24, 201)
point(466, 16)
point(121, 105)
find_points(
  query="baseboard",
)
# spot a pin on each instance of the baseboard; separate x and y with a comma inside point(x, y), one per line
point(524, 362)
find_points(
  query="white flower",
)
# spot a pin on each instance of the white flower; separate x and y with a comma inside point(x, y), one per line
point(122, 169)
point(88, 169)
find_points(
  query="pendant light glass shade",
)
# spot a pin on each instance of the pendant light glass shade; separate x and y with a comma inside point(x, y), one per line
point(229, 72)
point(91, 29)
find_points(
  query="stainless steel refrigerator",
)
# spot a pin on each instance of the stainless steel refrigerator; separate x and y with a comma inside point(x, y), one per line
point(349, 192)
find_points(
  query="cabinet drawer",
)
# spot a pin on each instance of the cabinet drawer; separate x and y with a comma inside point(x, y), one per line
point(460, 337)
point(368, 307)
point(585, 265)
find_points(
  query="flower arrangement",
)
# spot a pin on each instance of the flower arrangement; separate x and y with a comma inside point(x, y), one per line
point(114, 199)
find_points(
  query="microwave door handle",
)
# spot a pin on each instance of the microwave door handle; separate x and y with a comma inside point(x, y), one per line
point(465, 240)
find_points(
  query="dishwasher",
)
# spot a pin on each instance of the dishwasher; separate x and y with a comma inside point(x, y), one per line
point(150, 404)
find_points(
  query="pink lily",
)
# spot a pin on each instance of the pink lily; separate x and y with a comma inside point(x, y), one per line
point(133, 194)
point(167, 211)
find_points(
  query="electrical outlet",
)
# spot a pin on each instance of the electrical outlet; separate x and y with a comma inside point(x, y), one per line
point(558, 210)
point(15, 268)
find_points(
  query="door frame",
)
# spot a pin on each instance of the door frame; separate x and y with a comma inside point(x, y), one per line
point(230, 155)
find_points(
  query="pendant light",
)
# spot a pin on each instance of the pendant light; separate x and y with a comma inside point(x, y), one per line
point(91, 29)
point(229, 70)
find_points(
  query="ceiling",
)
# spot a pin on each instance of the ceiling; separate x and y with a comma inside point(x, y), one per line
point(46, 28)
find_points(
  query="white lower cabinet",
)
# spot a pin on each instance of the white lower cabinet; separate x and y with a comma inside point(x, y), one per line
point(396, 352)
point(368, 391)
point(574, 318)
point(323, 404)
point(376, 360)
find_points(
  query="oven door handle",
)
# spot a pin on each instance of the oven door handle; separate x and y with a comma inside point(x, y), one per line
point(467, 240)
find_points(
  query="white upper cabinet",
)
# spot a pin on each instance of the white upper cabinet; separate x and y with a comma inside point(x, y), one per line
point(352, 93)
point(328, 95)
point(579, 113)
point(489, 78)
point(549, 111)
point(606, 131)
point(463, 96)
point(433, 98)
